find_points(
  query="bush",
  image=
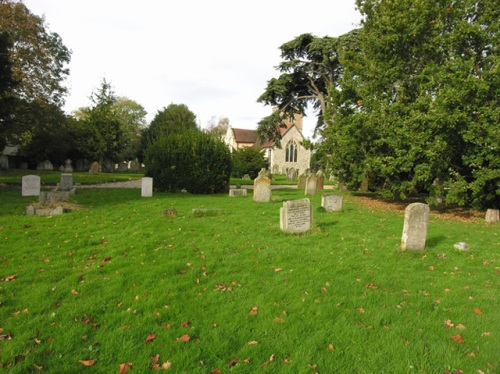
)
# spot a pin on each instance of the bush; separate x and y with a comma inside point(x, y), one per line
point(191, 160)
point(249, 161)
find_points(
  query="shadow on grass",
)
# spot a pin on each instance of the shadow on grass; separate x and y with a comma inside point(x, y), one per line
point(434, 241)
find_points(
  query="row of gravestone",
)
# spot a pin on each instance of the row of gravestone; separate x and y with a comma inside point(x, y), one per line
point(94, 167)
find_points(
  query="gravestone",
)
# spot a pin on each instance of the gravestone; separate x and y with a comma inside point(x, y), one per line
point(4, 162)
point(95, 168)
point(66, 183)
point(296, 216)
point(48, 198)
point(311, 184)
point(262, 188)
point(237, 192)
point(122, 167)
point(246, 177)
point(82, 165)
point(320, 181)
point(108, 166)
point(31, 210)
point(415, 227)
point(291, 174)
point(68, 168)
point(31, 185)
point(492, 216)
point(276, 169)
point(147, 187)
point(170, 213)
point(331, 202)
point(302, 180)
point(134, 167)
point(45, 165)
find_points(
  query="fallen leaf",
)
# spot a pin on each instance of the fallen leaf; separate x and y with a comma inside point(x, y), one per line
point(124, 367)
point(150, 338)
point(253, 342)
point(106, 259)
point(278, 269)
point(74, 292)
point(9, 278)
point(487, 333)
point(167, 326)
point(279, 320)
point(458, 338)
point(448, 323)
point(185, 324)
point(216, 371)
point(478, 311)
point(253, 311)
point(331, 347)
point(87, 362)
point(361, 310)
point(154, 362)
point(166, 365)
point(39, 368)
point(233, 362)
point(183, 339)
point(460, 327)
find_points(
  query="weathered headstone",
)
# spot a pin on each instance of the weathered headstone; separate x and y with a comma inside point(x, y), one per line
point(302, 180)
point(233, 192)
point(68, 168)
point(262, 188)
point(296, 216)
point(134, 167)
point(311, 184)
point(31, 210)
point(276, 169)
point(320, 181)
point(31, 185)
point(169, 213)
point(122, 167)
point(66, 183)
point(147, 187)
point(45, 165)
point(331, 202)
point(47, 198)
point(291, 174)
point(108, 166)
point(4, 162)
point(415, 226)
point(492, 216)
point(95, 168)
point(246, 177)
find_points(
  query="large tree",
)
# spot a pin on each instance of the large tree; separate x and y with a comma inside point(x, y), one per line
point(7, 84)
point(311, 67)
point(418, 108)
point(175, 118)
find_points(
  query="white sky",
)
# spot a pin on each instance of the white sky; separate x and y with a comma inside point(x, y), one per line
point(213, 56)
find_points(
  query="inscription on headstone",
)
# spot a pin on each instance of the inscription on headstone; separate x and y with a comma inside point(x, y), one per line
point(31, 185)
point(415, 226)
point(331, 202)
point(147, 187)
point(296, 216)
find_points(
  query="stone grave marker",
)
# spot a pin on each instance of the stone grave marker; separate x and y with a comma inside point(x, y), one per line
point(415, 226)
point(134, 167)
point(302, 180)
point(291, 174)
point(48, 198)
point(492, 216)
point(68, 168)
point(331, 202)
point(246, 177)
point(45, 165)
point(31, 185)
point(4, 162)
point(311, 184)
point(262, 188)
point(95, 168)
point(66, 183)
point(237, 192)
point(147, 187)
point(320, 181)
point(296, 216)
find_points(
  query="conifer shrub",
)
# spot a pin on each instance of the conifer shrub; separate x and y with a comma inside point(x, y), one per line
point(248, 160)
point(191, 160)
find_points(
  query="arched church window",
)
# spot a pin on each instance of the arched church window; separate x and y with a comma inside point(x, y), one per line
point(291, 152)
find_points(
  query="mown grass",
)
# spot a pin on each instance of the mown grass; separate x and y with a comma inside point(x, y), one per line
point(114, 282)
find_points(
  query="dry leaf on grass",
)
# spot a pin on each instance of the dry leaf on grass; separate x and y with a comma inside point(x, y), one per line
point(183, 339)
point(124, 367)
point(87, 362)
point(150, 338)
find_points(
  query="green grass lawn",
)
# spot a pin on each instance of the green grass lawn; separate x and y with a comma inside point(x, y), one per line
point(115, 283)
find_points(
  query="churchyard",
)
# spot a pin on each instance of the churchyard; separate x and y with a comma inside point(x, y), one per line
point(218, 284)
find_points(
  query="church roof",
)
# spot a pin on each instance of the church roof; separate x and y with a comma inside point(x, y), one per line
point(245, 136)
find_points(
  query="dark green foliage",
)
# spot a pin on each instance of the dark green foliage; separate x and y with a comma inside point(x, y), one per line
point(190, 160)
point(173, 119)
point(7, 83)
point(249, 161)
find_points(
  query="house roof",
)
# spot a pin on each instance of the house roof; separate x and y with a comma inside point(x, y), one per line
point(245, 136)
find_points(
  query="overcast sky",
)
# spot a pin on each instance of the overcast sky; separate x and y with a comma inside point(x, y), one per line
point(213, 56)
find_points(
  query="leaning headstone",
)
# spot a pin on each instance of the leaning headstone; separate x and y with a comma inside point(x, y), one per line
point(311, 184)
point(296, 216)
point(147, 187)
point(415, 226)
point(31, 185)
point(331, 202)
point(66, 183)
point(95, 168)
point(291, 174)
point(492, 216)
point(237, 192)
point(262, 188)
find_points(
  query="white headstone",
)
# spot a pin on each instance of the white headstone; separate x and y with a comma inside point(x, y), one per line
point(262, 188)
point(147, 187)
point(31, 185)
point(296, 216)
point(331, 202)
point(415, 226)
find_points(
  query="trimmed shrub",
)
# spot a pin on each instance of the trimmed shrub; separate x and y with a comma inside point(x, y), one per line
point(192, 160)
point(249, 161)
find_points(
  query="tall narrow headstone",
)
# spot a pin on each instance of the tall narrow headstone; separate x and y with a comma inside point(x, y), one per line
point(320, 182)
point(31, 185)
point(296, 216)
point(492, 216)
point(331, 202)
point(262, 188)
point(66, 183)
point(302, 180)
point(415, 226)
point(291, 174)
point(311, 184)
point(147, 187)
